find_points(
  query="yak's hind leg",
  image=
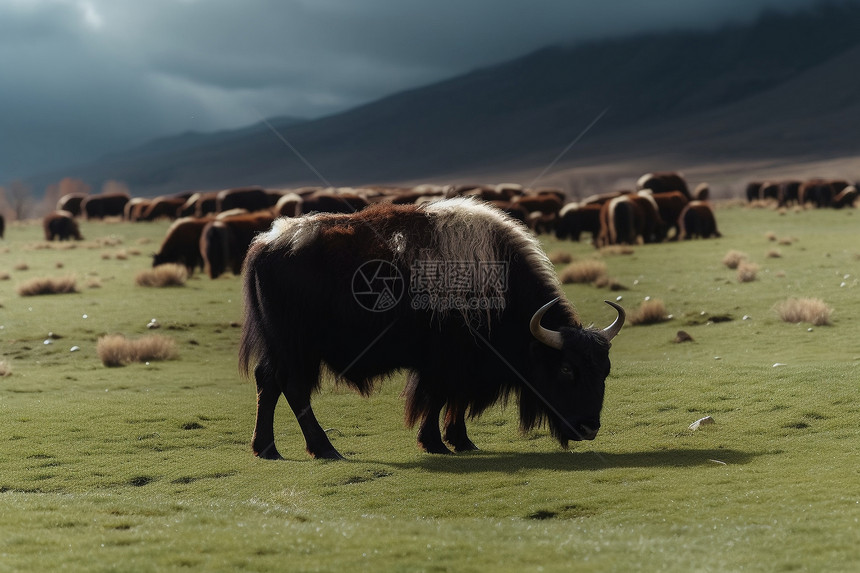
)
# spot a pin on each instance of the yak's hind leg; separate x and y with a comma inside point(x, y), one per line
point(298, 390)
point(268, 392)
point(422, 404)
point(455, 429)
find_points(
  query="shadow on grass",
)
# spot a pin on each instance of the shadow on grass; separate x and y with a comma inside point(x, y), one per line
point(577, 461)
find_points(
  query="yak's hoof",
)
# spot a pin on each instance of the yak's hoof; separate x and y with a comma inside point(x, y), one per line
point(270, 452)
point(331, 454)
point(466, 446)
point(435, 449)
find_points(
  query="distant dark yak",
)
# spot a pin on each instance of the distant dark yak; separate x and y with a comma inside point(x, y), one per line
point(328, 202)
point(71, 202)
point(181, 244)
point(61, 225)
point(577, 218)
point(698, 220)
point(664, 182)
point(106, 205)
point(248, 198)
point(225, 241)
point(361, 295)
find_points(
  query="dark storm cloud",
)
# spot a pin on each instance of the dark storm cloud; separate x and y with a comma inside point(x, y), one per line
point(84, 77)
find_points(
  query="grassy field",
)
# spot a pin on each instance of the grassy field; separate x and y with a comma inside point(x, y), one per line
point(148, 467)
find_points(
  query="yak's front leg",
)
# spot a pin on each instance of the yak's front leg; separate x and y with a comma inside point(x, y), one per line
point(429, 436)
point(455, 429)
point(268, 392)
point(318, 444)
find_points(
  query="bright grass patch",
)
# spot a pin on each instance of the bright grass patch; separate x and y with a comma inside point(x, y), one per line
point(149, 468)
point(812, 310)
point(48, 285)
point(117, 350)
point(167, 275)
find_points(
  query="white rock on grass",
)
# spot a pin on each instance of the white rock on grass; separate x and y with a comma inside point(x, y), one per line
point(701, 422)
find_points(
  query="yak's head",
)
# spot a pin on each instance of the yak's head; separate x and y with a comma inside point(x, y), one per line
point(570, 367)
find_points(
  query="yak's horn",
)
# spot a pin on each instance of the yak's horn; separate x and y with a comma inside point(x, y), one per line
point(610, 331)
point(551, 338)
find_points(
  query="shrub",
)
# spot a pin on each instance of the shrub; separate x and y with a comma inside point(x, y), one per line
point(117, 350)
point(48, 285)
point(611, 250)
point(651, 311)
point(587, 271)
point(166, 275)
point(747, 272)
point(560, 258)
point(811, 310)
point(734, 258)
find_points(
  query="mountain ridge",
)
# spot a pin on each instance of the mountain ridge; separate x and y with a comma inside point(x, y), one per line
point(687, 92)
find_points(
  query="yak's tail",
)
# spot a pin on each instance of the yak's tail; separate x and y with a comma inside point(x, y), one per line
point(253, 343)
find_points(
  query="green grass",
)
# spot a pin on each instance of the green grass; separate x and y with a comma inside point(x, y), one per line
point(148, 467)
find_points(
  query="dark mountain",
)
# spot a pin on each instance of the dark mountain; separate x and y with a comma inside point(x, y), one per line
point(786, 84)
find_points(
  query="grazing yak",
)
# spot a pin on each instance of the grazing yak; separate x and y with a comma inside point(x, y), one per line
point(670, 206)
point(225, 241)
point(248, 198)
point(181, 244)
point(328, 202)
point(577, 218)
point(105, 205)
point(61, 225)
point(162, 207)
point(71, 202)
point(621, 222)
point(664, 182)
point(697, 220)
point(365, 295)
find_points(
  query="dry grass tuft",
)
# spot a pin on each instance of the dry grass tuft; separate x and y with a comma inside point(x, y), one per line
point(773, 254)
point(5, 369)
point(747, 272)
point(117, 350)
point(94, 282)
point(587, 271)
point(770, 236)
point(166, 275)
point(785, 241)
point(651, 311)
point(560, 258)
point(611, 250)
point(812, 310)
point(22, 267)
point(4, 276)
point(734, 258)
point(48, 285)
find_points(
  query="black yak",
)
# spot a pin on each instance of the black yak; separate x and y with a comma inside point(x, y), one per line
point(455, 292)
point(61, 225)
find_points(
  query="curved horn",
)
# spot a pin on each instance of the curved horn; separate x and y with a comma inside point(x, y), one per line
point(551, 338)
point(610, 331)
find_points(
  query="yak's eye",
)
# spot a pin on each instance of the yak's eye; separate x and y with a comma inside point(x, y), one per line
point(566, 370)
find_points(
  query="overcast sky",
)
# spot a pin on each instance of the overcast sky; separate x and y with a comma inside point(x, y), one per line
point(80, 78)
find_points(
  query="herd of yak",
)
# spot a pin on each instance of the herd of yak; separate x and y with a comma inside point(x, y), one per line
point(212, 230)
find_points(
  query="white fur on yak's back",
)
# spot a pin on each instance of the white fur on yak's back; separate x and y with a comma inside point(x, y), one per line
point(291, 232)
point(468, 230)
